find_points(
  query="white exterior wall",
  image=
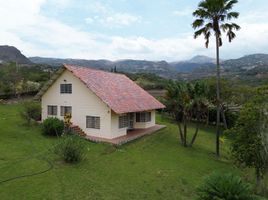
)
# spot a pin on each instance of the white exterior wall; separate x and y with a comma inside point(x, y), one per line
point(116, 131)
point(84, 103)
point(145, 124)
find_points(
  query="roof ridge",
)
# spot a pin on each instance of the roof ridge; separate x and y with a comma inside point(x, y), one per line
point(94, 69)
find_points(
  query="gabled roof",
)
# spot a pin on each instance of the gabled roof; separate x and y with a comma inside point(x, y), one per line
point(120, 93)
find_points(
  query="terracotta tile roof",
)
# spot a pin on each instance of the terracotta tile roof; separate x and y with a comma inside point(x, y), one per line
point(120, 93)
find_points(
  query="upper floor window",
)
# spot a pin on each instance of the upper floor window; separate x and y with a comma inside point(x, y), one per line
point(66, 88)
point(65, 109)
point(143, 117)
point(52, 110)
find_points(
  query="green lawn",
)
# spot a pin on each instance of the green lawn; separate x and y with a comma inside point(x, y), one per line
point(153, 167)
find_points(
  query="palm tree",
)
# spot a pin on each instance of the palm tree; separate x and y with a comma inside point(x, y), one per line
point(210, 18)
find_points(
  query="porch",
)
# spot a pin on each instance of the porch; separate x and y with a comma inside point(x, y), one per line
point(131, 135)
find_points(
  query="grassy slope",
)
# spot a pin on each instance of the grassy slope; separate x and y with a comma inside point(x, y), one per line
point(153, 167)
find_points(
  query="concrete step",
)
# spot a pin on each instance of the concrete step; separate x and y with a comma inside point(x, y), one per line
point(78, 130)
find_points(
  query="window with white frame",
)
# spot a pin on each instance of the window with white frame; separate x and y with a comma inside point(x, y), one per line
point(65, 109)
point(123, 121)
point(66, 88)
point(93, 122)
point(52, 110)
point(143, 117)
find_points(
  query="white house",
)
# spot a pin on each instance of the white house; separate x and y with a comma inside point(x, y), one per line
point(103, 104)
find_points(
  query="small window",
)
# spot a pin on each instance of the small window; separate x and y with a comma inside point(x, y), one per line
point(65, 109)
point(143, 117)
point(66, 88)
point(123, 121)
point(52, 110)
point(93, 122)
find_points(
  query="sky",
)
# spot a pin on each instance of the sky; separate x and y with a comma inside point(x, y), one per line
point(123, 29)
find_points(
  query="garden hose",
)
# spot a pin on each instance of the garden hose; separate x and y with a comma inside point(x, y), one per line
point(29, 175)
point(32, 174)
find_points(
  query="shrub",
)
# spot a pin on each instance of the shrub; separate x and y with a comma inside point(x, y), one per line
point(71, 149)
point(31, 111)
point(231, 118)
point(53, 127)
point(224, 187)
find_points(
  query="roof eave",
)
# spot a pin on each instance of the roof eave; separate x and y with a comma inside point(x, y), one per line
point(140, 110)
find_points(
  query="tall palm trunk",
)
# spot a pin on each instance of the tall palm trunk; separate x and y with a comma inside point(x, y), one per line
point(185, 130)
point(218, 96)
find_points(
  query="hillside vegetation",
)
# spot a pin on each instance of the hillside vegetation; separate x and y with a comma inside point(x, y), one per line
point(153, 167)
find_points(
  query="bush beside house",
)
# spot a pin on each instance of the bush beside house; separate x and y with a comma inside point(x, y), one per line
point(53, 127)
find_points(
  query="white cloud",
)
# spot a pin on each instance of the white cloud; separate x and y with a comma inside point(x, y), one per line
point(19, 13)
point(120, 19)
point(183, 12)
point(114, 20)
point(252, 38)
point(60, 4)
point(37, 35)
point(106, 16)
point(98, 7)
point(89, 20)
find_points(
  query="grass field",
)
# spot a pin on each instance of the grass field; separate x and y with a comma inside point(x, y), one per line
point(153, 167)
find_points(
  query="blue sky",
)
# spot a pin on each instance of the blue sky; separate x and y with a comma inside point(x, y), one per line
point(121, 29)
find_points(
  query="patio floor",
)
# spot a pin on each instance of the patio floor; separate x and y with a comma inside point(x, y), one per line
point(131, 135)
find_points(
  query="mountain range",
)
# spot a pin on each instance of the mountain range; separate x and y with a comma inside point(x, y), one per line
point(12, 54)
point(196, 67)
point(133, 66)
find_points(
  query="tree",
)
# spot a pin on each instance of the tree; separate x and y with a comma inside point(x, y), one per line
point(186, 103)
point(211, 16)
point(31, 111)
point(249, 146)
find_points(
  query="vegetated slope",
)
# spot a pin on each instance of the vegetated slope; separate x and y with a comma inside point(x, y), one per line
point(12, 54)
point(251, 66)
point(161, 68)
point(153, 167)
point(197, 62)
point(202, 59)
point(246, 62)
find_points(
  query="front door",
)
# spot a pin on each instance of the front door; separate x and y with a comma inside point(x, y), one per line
point(130, 120)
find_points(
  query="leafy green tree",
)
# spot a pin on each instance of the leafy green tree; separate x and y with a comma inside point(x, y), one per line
point(186, 103)
point(249, 146)
point(211, 16)
point(15, 79)
point(31, 111)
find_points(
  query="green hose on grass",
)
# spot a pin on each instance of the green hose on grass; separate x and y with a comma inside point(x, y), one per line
point(32, 174)
point(29, 175)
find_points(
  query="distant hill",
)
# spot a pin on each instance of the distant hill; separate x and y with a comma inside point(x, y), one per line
point(248, 62)
point(196, 67)
point(199, 59)
point(12, 54)
point(251, 67)
point(255, 65)
point(161, 68)
point(194, 63)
